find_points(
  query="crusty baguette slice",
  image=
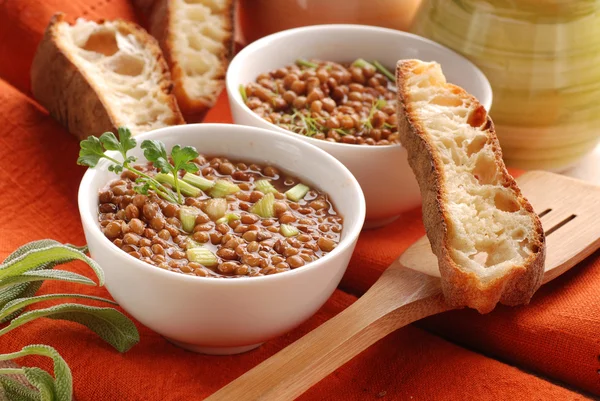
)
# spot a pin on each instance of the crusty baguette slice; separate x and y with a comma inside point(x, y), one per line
point(489, 242)
point(197, 40)
point(95, 77)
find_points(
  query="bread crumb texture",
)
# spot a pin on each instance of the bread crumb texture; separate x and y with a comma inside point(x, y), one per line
point(118, 65)
point(200, 38)
point(489, 230)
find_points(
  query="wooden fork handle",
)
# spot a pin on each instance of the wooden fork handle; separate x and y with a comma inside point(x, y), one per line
point(400, 297)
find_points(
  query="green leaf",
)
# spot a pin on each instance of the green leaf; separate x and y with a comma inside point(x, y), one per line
point(35, 275)
point(43, 381)
point(123, 144)
point(63, 380)
point(55, 253)
point(109, 141)
point(90, 152)
point(20, 303)
point(182, 158)
point(126, 141)
point(16, 391)
point(111, 325)
point(156, 152)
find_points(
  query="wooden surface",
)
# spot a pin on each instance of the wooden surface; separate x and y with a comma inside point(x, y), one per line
point(571, 219)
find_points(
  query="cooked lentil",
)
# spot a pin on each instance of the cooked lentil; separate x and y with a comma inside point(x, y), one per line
point(329, 101)
point(150, 228)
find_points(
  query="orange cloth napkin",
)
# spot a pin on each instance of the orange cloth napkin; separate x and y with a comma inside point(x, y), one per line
point(556, 336)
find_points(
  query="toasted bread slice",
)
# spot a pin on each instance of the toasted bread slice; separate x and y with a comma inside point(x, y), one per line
point(95, 77)
point(489, 242)
point(197, 40)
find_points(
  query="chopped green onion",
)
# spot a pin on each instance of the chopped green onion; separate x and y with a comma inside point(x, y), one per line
point(184, 187)
point(305, 63)
point(198, 181)
point(380, 104)
point(264, 207)
point(243, 93)
point(216, 208)
point(202, 256)
point(187, 215)
point(384, 71)
point(227, 218)
point(265, 186)
point(298, 192)
point(288, 230)
point(222, 188)
point(362, 63)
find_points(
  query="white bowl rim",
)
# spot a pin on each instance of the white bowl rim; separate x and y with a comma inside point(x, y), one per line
point(247, 51)
point(89, 220)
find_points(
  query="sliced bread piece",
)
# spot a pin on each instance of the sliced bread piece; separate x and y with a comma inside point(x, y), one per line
point(196, 37)
point(95, 77)
point(489, 242)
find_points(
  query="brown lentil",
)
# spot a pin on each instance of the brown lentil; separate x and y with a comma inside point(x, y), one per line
point(334, 102)
point(149, 228)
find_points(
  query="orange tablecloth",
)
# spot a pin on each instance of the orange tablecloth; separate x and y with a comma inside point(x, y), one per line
point(557, 337)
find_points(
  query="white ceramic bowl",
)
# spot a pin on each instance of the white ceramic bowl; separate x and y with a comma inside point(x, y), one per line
point(227, 316)
point(382, 171)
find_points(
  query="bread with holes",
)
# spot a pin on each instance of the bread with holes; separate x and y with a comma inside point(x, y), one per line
point(95, 77)
point(197, 40)
point(488, 240)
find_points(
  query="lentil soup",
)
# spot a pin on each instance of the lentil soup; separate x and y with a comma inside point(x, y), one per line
point(247, 220)
point(353, 103)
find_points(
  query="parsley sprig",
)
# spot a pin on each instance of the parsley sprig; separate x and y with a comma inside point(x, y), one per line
point(94, 149)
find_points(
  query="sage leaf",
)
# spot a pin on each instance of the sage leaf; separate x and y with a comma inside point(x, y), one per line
point(111, 325)
point(15, 391)
point(21, 303)
point(57, 275)
point(56, 253)
point(63, 383)
point(43, 381)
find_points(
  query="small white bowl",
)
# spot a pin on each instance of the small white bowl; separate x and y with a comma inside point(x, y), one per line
point(228, 316)
point(382, 171)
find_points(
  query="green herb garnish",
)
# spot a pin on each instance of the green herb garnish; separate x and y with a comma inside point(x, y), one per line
point(93, 149)
point(243, 93)
point(377, 105)
point(362, 63)
point(305, 63)
point(182, 158)
point(21, 275)
point(309, 126)
point(384, 71)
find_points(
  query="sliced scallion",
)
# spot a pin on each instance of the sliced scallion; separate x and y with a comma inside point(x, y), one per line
point(202, 256)
point(187, 215)
point(184, 187)
point(243, 93)
point(223, 188)
point(362, 63)
point(264, 207)
point(288, 230)
point(384, 71)
point(198, 181)
point(227, 218)
point(265, 186)
point(305, 63)
point(216, 208)
point(297, 192)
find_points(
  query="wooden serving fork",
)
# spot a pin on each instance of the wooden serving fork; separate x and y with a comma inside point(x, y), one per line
point(409, 290)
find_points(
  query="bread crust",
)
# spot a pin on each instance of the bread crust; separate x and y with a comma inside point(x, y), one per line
point(463, 288)
point(159, 20)
point(69, 94)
